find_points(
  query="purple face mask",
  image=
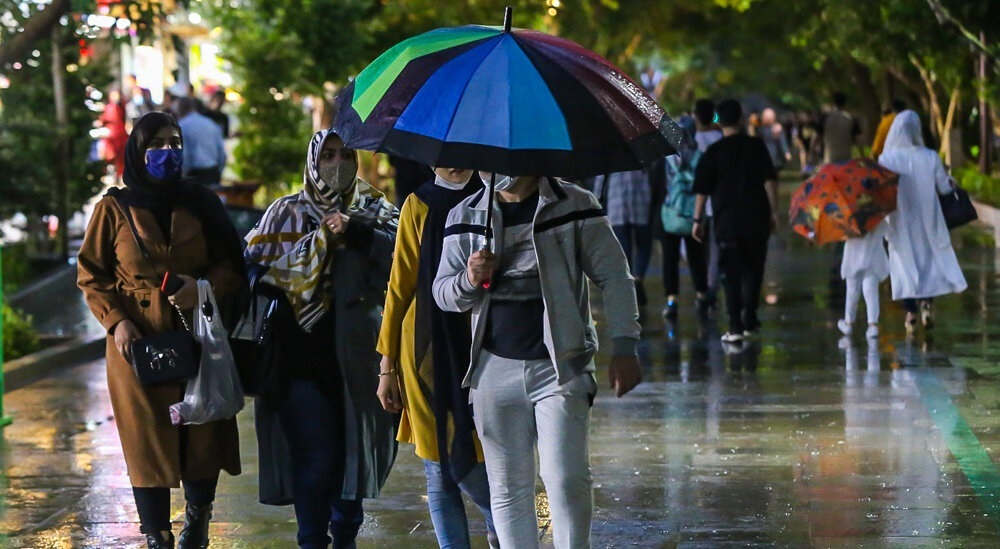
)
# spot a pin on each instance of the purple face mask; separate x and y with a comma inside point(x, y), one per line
point(164, 164)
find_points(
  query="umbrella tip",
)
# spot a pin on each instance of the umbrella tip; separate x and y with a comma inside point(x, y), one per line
point(508, 14)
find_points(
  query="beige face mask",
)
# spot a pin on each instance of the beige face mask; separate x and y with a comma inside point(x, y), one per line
point(339, 175)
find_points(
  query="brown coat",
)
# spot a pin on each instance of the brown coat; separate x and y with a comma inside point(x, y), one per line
point(118, 283)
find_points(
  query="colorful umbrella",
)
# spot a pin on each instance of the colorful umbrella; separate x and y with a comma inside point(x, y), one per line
point(510, 101)
point(842, 201)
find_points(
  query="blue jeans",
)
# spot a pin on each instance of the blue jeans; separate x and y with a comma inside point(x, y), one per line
point(444, 499)
point(312, 422)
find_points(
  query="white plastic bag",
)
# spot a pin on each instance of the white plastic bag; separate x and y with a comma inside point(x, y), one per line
point(215, 393)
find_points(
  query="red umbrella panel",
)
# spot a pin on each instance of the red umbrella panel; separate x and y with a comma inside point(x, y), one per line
point(845, 200)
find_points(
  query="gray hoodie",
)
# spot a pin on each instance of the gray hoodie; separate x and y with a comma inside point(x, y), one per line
point(573, 242)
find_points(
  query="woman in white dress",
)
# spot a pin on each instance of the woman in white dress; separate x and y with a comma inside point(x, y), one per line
point(922, 263)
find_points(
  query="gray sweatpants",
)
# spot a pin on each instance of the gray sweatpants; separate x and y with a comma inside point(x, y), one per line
point(519, 404)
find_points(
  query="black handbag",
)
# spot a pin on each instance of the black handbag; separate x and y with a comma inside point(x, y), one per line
point(166, 357)
point(957, 207)
point(163, 357)
point(254, 341)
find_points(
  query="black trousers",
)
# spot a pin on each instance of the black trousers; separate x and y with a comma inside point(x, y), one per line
point(697, 258)
point(742, 266)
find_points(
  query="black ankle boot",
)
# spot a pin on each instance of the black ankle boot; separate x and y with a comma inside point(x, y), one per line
point(195, 532)
point(157, 541)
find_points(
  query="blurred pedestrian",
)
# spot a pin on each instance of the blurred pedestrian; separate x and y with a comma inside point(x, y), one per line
point(922, 262)
point(841, 131)
point(425, 352)
point(628, 200)
point(205, 150)
point(878, 144)
point(329, 249)
point(140, 100)
point(680, 175)
point(805, 138)
point(186, 230)
point(707, 132)
point(738, 175)
point(773, 135)
point(113, 120)
point(532, 361)
point(214, 111)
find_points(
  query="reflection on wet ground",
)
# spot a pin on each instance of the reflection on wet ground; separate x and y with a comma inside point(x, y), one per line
point(798, 439)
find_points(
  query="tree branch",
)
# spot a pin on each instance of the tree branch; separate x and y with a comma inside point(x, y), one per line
point(36, 28)
point(944, 16)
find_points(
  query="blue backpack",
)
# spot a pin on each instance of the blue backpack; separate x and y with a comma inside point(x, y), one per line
point(677, 212)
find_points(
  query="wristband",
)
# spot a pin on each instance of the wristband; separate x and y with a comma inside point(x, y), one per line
point(391, 372)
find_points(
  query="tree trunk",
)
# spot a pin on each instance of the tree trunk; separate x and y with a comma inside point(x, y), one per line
point(985, 128)
point(946, 148)
point(62, 142)
point(35, 29)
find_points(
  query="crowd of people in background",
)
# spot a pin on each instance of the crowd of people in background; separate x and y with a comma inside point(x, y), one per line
point(122, 108)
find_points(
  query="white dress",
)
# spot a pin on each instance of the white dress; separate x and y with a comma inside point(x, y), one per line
point(922, 262)
point(866, 255)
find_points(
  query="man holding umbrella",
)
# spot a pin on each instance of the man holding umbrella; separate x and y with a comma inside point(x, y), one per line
point(532, 362)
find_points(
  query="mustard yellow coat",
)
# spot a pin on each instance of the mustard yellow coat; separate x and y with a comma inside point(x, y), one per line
point(417, 425)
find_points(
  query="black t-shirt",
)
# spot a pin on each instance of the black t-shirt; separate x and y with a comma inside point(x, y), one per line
point(733, 171)
point(514, 324)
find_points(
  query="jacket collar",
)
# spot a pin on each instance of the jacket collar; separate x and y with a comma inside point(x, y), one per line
point(549, 190)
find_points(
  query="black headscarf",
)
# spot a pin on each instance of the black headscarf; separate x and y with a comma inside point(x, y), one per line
point(161, 197)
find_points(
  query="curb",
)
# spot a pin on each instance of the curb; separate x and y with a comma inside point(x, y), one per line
point(29, 369)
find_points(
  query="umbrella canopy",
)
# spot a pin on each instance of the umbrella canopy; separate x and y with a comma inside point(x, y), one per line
point(516, 102)
point(844, 200)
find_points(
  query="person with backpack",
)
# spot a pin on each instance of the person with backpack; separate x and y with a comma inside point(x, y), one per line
point(677, 216)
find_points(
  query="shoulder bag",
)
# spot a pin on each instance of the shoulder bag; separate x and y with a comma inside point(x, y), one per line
point(957, 207)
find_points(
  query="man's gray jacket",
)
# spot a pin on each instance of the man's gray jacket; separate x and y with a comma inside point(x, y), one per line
point(573, 241)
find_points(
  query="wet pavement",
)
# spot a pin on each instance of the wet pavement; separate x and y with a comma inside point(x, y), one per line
point(800, 439)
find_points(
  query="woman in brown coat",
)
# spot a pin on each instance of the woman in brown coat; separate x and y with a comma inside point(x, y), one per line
point(186, 231)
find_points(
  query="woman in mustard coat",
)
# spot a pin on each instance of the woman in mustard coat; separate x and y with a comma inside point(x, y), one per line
point(187, 232)
point(425, 353)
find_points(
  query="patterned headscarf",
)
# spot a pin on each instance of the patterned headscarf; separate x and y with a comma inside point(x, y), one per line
point(292, 242)
point(321, 198)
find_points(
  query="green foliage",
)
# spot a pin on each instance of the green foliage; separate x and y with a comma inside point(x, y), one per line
point(28, 131)
point(15, 267)
point(19, 338)
point(984, 187)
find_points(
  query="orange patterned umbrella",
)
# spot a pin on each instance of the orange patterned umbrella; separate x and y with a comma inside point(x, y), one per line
point(842, 201)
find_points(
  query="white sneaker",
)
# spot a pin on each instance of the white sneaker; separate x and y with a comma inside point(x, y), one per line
point(872, 332)
point(730, 337)
point(845, 328)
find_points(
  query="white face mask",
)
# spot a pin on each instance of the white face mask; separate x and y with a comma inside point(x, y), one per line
point(338, 175)
point(445, 183)
point(503, 182)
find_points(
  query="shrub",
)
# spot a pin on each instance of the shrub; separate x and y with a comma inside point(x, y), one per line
point(19, 336)
point(984, 187)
